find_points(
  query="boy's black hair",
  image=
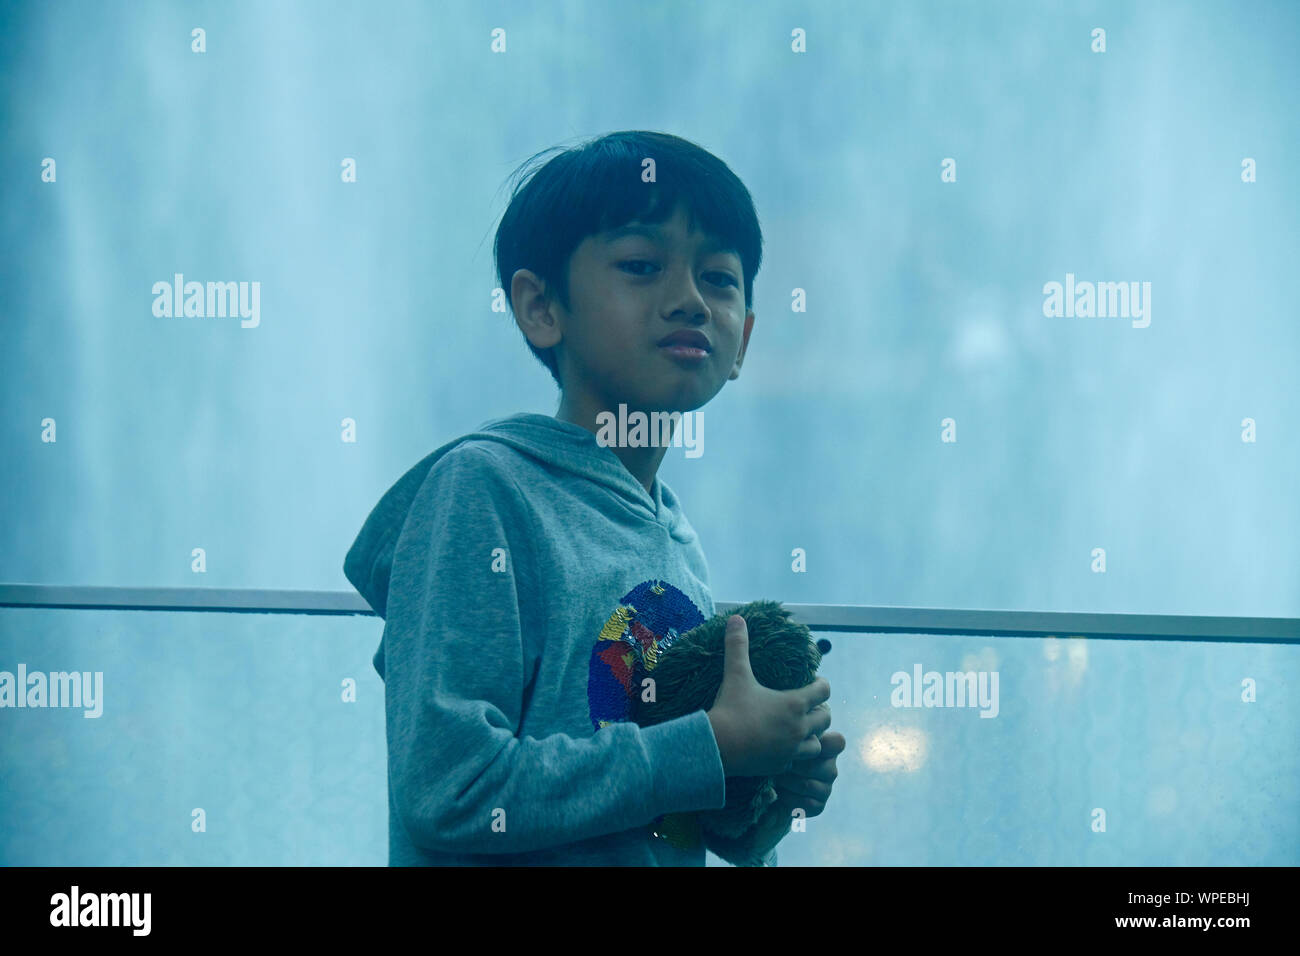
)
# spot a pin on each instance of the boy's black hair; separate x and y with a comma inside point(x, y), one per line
point(597, 186)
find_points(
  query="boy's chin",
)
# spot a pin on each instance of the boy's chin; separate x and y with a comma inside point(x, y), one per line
point(682, 399)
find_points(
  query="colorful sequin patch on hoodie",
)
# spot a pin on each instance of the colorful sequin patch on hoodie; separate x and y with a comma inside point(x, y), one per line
point(644, 625)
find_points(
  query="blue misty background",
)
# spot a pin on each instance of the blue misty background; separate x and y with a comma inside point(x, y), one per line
point(924, 303)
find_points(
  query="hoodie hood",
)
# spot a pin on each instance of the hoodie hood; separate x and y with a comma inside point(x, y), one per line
point(560, 444)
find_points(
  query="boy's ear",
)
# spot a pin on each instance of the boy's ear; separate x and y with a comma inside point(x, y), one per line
point(744, 344)
point(533, 309)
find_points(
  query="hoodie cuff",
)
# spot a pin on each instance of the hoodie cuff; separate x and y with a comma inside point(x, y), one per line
point(685, 764)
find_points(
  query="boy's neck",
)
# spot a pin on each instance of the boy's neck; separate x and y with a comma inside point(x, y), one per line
point(642, 462)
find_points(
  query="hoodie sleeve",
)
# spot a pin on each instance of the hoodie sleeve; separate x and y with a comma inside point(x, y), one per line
point(465, 627)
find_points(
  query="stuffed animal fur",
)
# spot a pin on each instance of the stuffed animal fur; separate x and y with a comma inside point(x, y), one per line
point(688, 674)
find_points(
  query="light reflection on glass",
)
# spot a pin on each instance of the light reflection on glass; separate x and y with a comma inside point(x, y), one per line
point(888, 749)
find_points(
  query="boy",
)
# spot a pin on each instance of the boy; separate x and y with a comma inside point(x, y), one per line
point(524, 570)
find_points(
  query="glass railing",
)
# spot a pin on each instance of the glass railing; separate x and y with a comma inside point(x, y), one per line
point(246, 727)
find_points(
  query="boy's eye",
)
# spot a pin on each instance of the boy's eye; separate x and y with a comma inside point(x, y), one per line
point(720, 278)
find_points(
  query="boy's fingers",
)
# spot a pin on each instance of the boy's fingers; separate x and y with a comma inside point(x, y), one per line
point(735, 649)
point(818, 768)
point(800, 785)
point(818, 720)
point(824, 724)
point(817, 692)
point(810, 804)
point(833, 743)
point(809, 749)
point(822, 767)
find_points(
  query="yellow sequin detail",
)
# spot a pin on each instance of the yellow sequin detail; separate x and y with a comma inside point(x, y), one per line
point(617, 623)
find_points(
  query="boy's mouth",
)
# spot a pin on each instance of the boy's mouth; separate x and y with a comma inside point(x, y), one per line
point(685, 353)
point(687, 341)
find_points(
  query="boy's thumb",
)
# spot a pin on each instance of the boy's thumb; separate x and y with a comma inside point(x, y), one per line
point(736, 648)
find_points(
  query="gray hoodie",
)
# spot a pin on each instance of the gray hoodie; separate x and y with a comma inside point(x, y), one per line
point(522, 573)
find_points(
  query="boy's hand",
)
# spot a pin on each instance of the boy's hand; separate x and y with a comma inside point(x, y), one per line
point(807, 784)
point(763, 732)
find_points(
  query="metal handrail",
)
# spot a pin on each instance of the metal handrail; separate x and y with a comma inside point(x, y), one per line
point(842, 618)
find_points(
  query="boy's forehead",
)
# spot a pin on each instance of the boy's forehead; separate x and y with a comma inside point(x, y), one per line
point(658, 233)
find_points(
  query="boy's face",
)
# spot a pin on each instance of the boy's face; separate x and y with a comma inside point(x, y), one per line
point(628, 290)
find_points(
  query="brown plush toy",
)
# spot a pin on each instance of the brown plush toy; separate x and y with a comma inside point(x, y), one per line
point(687, 676)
